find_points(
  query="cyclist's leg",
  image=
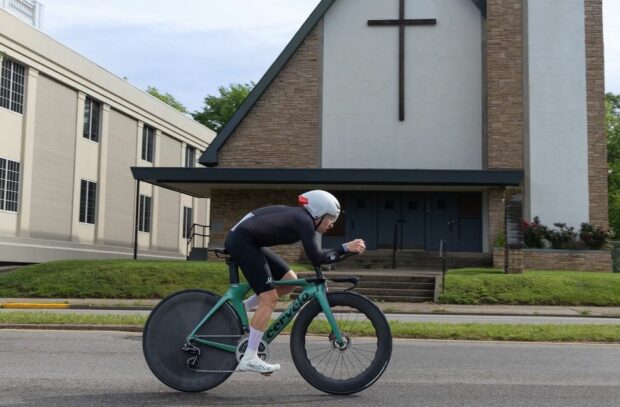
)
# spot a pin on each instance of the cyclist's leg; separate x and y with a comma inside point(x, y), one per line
point(279, 271)
point(256, 270)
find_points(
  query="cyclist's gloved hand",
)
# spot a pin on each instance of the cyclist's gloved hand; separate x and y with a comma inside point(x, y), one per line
point(355, 246)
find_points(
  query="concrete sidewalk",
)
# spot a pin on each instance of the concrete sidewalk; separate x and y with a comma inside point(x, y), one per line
point(387, 307)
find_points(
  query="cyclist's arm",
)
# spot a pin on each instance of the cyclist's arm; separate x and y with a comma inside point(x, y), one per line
point(317, 256)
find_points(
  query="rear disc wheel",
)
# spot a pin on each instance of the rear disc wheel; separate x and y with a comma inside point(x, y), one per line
point(165, 333)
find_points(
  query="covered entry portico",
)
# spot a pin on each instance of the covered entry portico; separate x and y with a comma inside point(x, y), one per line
point(413, 209)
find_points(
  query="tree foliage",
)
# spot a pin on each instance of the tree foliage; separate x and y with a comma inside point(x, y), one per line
point(166, 98)
point(220, 108)
point(612, 116)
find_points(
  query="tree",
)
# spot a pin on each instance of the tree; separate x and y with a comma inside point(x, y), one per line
point(220, 108)
point(166, 98)
point(612, 119)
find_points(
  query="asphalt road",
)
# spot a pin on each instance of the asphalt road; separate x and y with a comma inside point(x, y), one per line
point(74, 368)
point(456, 319)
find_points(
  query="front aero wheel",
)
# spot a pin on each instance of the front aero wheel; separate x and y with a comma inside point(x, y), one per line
point(165, 334)
point(347, 368)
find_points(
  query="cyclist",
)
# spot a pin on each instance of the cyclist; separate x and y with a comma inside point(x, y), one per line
point(248, 242)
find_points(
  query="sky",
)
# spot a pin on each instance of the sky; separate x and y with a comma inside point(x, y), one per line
point(191, 48)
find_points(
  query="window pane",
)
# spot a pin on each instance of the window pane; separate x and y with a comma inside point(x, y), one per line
point(87, 106)
point(12, 86)
point(2, 183)
point(147, 143)
point(83, 192)
point(190, 157)
point(149, 151)
point(95, 119)
point(92, 199)
point(144, 214)
point(147, 214)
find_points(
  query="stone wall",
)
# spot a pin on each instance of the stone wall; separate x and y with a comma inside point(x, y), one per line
point(544, 259)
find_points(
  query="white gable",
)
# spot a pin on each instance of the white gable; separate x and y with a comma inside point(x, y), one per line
point(443, 87)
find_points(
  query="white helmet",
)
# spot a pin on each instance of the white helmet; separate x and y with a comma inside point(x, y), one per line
point(319, 203)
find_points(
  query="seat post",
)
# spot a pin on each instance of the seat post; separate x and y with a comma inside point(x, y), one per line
point(233, 271)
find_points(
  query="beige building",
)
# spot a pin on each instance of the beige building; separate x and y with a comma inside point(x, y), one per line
point(69, 133)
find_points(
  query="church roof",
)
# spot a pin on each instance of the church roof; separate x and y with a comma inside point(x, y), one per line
point(210, 157)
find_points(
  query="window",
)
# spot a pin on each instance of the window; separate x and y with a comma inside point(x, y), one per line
point(190, 157)
point(187, 221)
point(88, 198)
point(92, 115)
point(144, 217)
point(9, 185)
point(12, 86)
point(148, 140)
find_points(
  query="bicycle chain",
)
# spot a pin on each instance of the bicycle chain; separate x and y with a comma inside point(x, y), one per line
point(194, 350)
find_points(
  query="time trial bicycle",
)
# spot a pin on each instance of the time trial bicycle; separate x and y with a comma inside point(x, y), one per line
point(341, 342)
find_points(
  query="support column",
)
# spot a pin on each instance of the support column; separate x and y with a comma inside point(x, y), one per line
point(102, 178)
point(155, 199)
point(79, 133)
point(27, 152)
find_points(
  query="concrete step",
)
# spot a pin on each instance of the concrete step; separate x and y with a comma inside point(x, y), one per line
point(397, 285)
point(377, 277)
point(383, 292)
point(393, 285)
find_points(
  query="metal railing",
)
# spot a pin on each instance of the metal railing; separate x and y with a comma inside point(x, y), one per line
point(192, 234)
point(28, 11)
point(394, 245)
point(444, 262)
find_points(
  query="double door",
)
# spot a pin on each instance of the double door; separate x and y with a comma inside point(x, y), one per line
point(416, 220)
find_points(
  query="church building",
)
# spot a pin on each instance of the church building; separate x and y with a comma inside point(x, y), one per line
point(427, 119)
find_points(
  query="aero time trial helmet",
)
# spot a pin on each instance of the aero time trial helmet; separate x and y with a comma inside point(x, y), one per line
point(319, 203)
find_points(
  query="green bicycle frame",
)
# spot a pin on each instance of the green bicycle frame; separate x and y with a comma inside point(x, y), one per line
point(235, 295)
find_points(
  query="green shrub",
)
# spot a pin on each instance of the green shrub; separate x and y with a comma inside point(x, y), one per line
point(563, 237)
point(534, 233)
point(594, 237)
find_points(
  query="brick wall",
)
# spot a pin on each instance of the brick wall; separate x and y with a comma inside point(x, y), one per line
point(496, 214)
point(583, 260)
point(282, 129)
point(597, 147)
point(228, 206)
point(504, 84)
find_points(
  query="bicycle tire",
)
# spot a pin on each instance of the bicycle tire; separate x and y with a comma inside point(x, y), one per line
point(165, 334)
point(369, 354)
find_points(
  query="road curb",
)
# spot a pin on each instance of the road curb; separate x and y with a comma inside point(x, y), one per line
point(34, 305)
point(75, 327)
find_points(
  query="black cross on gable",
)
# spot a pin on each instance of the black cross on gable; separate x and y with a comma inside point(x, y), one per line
point(401, 23)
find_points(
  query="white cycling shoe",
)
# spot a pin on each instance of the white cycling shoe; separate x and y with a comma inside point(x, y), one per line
point(256, 364)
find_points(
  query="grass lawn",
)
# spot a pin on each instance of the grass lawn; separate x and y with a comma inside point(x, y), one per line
point(113, 279)
point(490, 286)
point(143, 279)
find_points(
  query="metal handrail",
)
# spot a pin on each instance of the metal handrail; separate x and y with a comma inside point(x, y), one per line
point(394, 243)
point(192, 234)
point(444, 262)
